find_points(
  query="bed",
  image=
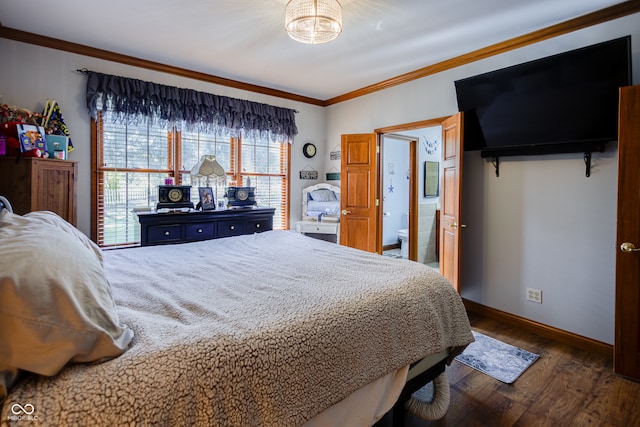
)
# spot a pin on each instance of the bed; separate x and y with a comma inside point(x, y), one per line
point(270, 329)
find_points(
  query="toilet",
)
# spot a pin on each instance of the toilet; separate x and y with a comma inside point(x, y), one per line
point(403, 235)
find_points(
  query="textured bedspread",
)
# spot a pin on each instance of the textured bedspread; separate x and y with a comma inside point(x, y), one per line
point(266, 329)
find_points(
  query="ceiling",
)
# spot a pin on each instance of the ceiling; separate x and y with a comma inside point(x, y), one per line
point(244, 40)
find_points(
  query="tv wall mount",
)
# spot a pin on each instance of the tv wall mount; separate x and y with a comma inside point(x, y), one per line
point(582, 147)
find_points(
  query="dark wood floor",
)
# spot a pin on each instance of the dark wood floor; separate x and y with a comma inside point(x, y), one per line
point(566, 386)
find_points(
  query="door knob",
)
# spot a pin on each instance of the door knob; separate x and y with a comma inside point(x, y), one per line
point(345, 212)
point(628, 247)
point(455, 225)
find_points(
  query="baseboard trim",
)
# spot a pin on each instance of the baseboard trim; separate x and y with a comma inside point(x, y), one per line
point(541, 329)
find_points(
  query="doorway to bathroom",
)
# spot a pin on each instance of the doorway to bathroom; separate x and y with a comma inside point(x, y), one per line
point(395, 179)
point(403, 219)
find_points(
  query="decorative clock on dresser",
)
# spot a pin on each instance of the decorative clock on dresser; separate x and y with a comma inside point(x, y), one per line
point(179, 227)
point(174, 197)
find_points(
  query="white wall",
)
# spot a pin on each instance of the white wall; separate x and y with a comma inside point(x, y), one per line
point(431, 134)
point(542, 223)
point(29, 75)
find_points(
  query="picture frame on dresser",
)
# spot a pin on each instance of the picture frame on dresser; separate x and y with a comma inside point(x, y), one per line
point(207, 201)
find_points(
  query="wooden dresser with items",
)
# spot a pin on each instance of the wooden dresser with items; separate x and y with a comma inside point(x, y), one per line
point(37, 184)
point(179, 227)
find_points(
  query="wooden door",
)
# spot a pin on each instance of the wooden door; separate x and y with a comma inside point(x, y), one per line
point(627, 305)
point(450, 199)
point(358, 188)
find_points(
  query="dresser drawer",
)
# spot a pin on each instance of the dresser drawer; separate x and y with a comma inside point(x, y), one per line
point(258, 225)
point(164, 234)
point(318, 227)
point(200, 231)
point(230, 228)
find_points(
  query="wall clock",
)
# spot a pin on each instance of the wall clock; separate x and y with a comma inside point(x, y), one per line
point(309, 150)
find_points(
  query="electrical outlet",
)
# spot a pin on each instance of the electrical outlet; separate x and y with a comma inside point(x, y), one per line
point(534, 295)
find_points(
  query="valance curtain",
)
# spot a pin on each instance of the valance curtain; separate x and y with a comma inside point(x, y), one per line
point(134, 101)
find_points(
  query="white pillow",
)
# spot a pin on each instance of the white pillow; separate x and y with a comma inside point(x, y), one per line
point(56, 303)
point(55, 220)
point(323, 195)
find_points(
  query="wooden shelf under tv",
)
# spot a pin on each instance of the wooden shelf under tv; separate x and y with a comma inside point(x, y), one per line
point(586, 147)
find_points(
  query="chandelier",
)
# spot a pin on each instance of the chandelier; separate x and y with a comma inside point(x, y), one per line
point(313, 21)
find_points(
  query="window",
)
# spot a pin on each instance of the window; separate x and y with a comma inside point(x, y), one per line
point(130, 161)
point(264, 165)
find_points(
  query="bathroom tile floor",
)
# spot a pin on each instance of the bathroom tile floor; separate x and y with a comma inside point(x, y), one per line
point(395, 253)
point(435, 265)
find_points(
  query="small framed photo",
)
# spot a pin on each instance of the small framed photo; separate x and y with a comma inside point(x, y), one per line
point(206, 198)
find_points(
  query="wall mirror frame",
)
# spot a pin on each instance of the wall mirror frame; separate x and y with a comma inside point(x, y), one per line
point(308, 215)
point(431, 179)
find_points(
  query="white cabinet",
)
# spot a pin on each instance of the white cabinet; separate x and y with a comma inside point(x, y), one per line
point(329, 231)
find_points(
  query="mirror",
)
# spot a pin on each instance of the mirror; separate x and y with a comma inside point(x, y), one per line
point(321, 202)
point(431, 184)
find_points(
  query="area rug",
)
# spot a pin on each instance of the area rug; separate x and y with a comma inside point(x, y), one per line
point(499, 360)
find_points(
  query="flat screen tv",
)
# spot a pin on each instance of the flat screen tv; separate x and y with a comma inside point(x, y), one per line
point(562, 103)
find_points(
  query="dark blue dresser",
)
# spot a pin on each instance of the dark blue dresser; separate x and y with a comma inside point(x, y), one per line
point(178, 227)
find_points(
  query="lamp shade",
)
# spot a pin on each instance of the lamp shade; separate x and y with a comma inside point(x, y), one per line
point(313, 21)
point(208, 167)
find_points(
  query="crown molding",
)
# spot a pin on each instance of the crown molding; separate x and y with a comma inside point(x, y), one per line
point(53, 43)
point(607, 14)
point(613, 12)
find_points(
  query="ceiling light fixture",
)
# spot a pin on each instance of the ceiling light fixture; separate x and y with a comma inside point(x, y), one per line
point(313, 21)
